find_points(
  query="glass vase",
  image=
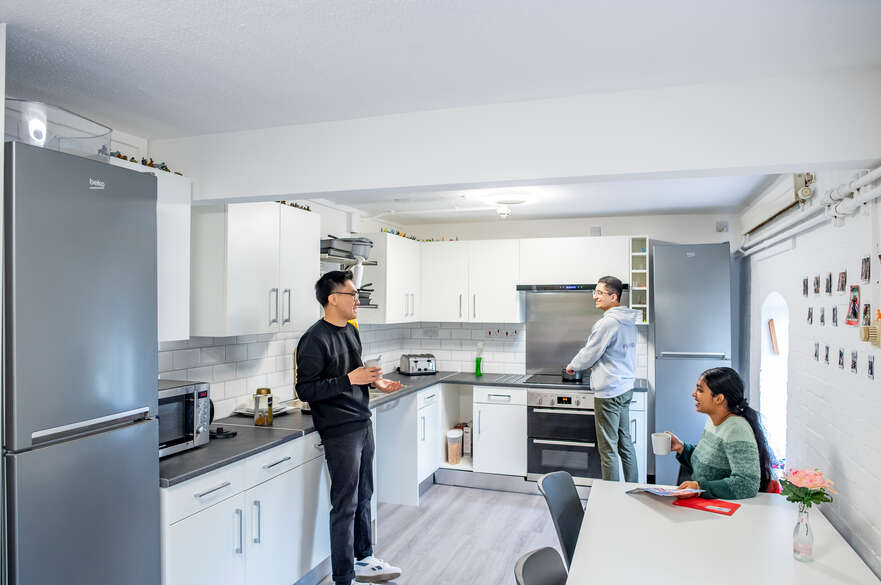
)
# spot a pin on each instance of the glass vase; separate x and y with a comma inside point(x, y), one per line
point(803, 536)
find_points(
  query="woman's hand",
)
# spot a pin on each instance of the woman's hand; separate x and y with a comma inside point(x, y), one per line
point(689, 485)
point(675, 443)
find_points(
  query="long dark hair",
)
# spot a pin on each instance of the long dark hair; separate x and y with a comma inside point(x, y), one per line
point(727, 382)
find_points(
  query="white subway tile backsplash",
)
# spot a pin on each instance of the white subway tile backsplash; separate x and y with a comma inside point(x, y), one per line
point(235, 388)
point(212, 355)
point(185, 358)
point(224, 372)
point(197, 342)
point(276, 348)
point(173, 375)
point(236, 353)
point(258, 350)
point(165, 361)
point(201, 374)
point(254, 382)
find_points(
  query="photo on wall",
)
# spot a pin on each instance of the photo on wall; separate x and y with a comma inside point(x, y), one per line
point(828, 283)
point(867, 315)
point(853, 362)
point(810, 315)
point(866, 269)
point(804, 287)
point(842, 281)
point(826, 355)
point(823, 316)
point(853, 306)
point(817, 284)
point(835, 316)
point(817, 351)
point(841, 357)
point(870, 367)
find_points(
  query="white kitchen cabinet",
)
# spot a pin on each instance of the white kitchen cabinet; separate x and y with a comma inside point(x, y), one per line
point(207, 547)
point(254, 269)
point(445, 281)
point(575, 260)
point(638, 434)
point(493, 266)
point(500, 430)
point(474, 281)
point(428, 432)
point(173, 197)
point(397, 453)
point(396, 280)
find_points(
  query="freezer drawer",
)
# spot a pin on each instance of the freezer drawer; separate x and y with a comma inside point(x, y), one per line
point(86, 511)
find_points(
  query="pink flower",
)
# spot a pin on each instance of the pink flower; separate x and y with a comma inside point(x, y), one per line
point(809, 478)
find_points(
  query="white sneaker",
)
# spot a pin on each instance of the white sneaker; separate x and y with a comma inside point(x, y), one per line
point(374, 570)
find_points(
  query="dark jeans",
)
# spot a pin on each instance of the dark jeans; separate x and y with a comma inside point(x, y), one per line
point(612, 417)
point(350, 462)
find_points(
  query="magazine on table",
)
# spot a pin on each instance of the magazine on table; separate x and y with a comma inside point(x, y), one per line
point(665, 491)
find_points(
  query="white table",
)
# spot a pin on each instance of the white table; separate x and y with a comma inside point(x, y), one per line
point(644, 539)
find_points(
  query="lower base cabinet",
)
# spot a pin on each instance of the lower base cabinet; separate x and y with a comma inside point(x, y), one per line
point(270, 534)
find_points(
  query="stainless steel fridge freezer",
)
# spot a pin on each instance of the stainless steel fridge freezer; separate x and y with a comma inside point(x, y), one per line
point(692, 321)
point(80, 442)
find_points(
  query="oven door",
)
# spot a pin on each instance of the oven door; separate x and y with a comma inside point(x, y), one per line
point(580, 458)
point(564, 424)
point(177, 418)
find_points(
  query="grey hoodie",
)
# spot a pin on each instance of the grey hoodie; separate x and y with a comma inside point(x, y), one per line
point(610, 353)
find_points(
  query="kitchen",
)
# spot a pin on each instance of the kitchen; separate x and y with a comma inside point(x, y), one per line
point(507, 209)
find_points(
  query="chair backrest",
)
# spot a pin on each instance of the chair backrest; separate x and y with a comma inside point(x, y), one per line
point(565, 506)
point(540, 567)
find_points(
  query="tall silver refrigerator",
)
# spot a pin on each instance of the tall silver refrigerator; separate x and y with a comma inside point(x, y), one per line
point(80, 441)
point(692, 320)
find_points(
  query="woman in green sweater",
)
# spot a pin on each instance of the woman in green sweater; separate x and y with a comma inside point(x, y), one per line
point(732, 460)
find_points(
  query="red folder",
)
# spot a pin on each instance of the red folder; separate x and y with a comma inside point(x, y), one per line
point(715, 506)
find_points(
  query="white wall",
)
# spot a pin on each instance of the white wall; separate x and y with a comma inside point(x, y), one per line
point(696, 228)
point(832, 420)
point(757, 126)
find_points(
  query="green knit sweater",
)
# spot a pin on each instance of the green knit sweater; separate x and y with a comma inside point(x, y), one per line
point(725, 461)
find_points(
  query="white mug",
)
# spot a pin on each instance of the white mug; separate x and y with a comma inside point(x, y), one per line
point(661, 443)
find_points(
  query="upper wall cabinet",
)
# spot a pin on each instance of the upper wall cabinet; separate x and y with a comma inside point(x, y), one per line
point(445, 281)
point(254, 268)
point(173, 195)
point(579, 260)
point(395, 279)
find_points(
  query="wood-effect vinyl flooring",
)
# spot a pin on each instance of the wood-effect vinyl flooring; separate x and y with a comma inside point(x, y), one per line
point(462, 536)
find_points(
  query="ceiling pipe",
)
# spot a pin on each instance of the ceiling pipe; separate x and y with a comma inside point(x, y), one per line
point(851, 206)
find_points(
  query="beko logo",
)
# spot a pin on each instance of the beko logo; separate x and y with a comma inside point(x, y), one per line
point(95, 183)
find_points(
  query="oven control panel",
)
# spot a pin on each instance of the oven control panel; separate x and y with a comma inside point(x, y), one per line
point(553, 399)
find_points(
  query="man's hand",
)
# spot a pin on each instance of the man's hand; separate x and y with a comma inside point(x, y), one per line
point(364, 375)
point(387, 386)
point(689, 485)
point(569, 370)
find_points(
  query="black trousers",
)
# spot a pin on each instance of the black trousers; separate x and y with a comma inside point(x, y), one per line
point(350, 462)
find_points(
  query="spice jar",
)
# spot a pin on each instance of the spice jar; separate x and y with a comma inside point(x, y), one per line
point(263, 407)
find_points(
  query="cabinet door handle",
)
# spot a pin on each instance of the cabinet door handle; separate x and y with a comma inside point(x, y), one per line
point(479, 426)
point(423, 428)
point(256, 539)
point(498, 397)
point(279, 462)
point(413, 308)
point(224, 485)
point(474, 305)
point(238, 549)
point(287, 319)
point(406, 305)
point(460, 305)
point(273, 304)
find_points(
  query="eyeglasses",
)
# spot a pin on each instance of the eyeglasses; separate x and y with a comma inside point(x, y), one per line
point(598, 292)
point(340, 292)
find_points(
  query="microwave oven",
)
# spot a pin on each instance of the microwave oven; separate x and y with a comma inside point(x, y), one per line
point(184, 416)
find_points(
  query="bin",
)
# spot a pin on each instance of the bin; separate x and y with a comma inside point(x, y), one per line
point(454, 446)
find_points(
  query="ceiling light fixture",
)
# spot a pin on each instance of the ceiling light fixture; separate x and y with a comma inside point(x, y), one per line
point(503, 211)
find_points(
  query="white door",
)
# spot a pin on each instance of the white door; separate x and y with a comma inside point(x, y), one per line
point(398, 276)
point(413, 279)
point(208, 547)
point(500, 438)
point(428, 438)
point(314, 541)
point(444, 282)
point(492, 276)
point(299, 267)
point(253, 301)
point(274, 529)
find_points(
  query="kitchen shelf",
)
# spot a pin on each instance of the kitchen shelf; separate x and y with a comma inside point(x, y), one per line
point(639, 271)
point(638, 254)
point(638, 306)
point(639, 288)
point(345, 260)
point(465, 464)
point(639, 277)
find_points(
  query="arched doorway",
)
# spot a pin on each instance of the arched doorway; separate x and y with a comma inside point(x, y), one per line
point(773, 372)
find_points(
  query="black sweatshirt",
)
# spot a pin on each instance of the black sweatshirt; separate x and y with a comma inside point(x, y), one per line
point(325, 355)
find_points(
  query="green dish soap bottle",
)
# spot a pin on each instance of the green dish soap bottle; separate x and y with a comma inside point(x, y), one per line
point(478, 358)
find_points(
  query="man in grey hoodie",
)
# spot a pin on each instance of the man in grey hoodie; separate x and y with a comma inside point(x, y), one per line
point(610, 353)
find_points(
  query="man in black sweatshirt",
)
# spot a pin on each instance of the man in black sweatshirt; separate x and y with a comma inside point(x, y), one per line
point(333, 380)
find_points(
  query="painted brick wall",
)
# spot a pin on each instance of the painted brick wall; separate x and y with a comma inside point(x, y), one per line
point(832, 418)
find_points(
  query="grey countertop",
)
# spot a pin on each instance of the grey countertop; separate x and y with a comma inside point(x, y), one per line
point(251, 440)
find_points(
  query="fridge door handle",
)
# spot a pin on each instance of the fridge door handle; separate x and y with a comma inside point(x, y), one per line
point(695, 354)
point(129, 416)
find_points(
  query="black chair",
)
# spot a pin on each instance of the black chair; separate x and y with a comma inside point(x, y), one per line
point(540, 567)
point(565, 507)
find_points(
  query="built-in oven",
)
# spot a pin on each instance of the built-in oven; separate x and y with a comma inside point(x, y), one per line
point(184, 416)
point(561, 435)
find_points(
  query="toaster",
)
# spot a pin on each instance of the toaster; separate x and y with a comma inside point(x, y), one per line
point(417, 364)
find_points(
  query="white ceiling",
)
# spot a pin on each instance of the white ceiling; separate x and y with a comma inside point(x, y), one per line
point(177, 68)
point(632, 197)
